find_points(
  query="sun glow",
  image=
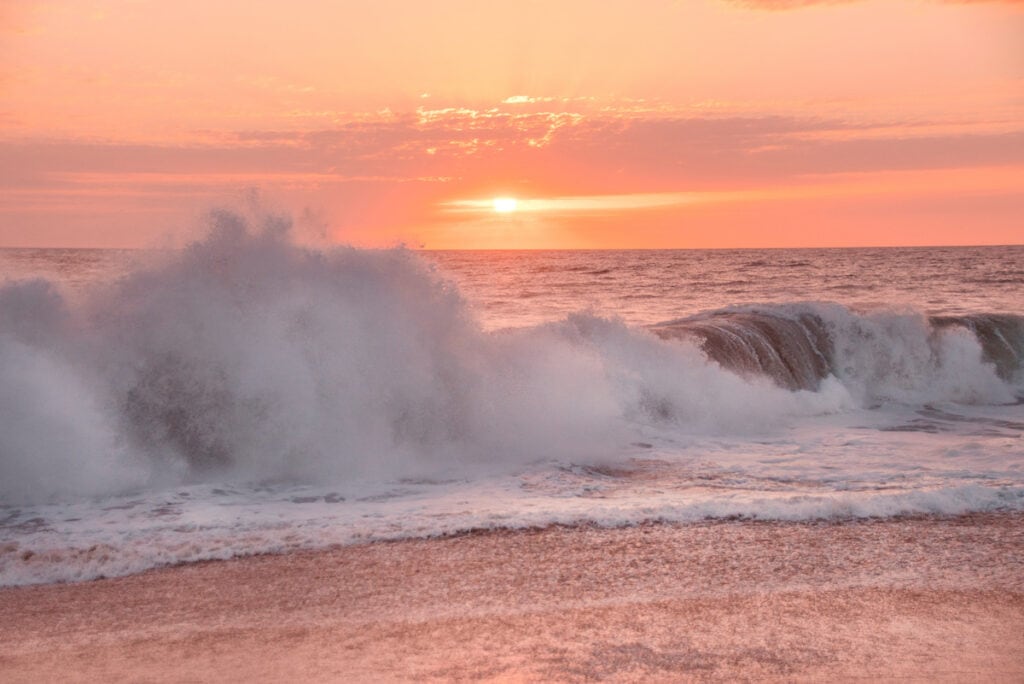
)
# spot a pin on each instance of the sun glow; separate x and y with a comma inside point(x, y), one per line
point(505, 205)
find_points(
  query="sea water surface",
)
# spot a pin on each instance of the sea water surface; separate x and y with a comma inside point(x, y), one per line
point(249, 395)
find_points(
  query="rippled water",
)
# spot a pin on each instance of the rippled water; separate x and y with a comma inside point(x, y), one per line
point(513, 288)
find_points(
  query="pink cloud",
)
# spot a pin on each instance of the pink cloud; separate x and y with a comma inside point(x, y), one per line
point(607, 152)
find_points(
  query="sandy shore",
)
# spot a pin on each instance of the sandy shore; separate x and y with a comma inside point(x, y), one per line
point(926, 599)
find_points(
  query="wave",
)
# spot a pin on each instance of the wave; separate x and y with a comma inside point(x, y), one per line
point(248, 356)
point(894, 355)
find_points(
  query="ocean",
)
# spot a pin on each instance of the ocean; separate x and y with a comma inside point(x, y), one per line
point(251, 395)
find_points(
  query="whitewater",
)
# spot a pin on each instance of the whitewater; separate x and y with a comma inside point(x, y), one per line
point(249, 394)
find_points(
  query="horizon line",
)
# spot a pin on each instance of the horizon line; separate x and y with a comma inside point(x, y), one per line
point(553, 249)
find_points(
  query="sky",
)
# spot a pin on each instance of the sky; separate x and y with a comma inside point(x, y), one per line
point(597, 123)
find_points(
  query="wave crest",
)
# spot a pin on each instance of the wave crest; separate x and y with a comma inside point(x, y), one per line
point(884, 355)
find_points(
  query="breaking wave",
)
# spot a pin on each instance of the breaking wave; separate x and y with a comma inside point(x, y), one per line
point(893, 355)
point(246, 355)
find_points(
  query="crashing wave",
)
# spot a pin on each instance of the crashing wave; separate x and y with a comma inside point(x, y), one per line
point(246, 355)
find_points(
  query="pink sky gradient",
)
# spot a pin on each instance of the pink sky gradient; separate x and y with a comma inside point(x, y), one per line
point(647, 123)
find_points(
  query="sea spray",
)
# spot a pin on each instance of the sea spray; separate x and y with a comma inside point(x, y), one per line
point(247, 357)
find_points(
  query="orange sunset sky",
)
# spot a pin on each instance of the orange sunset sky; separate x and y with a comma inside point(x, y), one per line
point(613, 123)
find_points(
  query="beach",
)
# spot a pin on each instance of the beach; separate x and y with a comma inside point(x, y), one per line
point(921, 598)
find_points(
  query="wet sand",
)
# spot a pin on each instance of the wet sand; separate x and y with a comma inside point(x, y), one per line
point(929, 599)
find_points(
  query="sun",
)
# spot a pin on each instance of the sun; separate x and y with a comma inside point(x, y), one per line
point(504, 205)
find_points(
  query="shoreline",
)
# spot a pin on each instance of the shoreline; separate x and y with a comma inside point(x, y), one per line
point(936, 598)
